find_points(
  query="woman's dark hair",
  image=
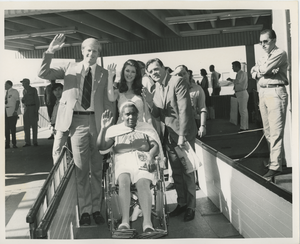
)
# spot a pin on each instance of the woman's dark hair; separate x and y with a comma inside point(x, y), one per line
point(137, 83)
point(203, 72)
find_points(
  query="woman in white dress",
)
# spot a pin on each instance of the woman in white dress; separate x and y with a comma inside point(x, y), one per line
point(129, 89)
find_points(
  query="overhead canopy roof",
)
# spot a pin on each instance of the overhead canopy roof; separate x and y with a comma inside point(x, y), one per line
point(124, 31)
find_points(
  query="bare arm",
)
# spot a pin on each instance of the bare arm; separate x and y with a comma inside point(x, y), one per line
point(153, 153)
point(111, 92)
point(106, 121)
point(154, 148)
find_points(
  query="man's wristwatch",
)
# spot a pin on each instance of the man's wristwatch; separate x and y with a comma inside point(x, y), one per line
point(203, 125)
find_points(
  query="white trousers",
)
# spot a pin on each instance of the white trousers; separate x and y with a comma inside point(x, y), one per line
point(242, 99)
point(273, 105)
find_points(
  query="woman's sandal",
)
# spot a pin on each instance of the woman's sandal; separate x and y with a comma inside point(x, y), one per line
point(148, 229)
point(124, 226)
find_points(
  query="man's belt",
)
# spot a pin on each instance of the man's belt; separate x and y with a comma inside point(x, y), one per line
point(28, 105)
point(83, 112)
point(240, 90)
point(272, 85)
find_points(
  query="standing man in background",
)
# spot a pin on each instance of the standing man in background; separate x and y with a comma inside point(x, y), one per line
point(271, 74)
point(50, 100)
point(31, 104)
point(240, 88)
point(12, 111)
point(215, 76)
point(83, 101)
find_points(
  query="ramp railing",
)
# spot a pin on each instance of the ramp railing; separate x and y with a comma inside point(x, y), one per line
point(51, 189)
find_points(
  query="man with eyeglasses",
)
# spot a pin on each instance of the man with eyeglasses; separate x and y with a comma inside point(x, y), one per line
point(271, 74)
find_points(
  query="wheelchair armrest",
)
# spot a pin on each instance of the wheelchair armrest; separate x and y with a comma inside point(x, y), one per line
point(161, 162)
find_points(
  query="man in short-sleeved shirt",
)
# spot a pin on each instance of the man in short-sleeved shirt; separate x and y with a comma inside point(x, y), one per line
point(240, 87)
point(12, 110)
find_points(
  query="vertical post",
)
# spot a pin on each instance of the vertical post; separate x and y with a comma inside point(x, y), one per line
point(283, 38)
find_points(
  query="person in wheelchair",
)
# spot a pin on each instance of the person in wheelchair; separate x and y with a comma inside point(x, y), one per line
point(135, 146)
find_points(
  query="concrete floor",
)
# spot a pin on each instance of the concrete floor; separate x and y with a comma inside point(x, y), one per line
point(27, 168)
point(208, 223)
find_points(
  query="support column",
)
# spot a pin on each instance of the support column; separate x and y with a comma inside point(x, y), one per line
point(252, 84)
point(283, 41)
point(250, 56)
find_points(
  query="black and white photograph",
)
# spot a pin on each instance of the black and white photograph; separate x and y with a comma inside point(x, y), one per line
point(200, 98)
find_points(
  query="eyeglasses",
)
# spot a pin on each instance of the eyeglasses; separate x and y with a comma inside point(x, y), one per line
point(265, 42)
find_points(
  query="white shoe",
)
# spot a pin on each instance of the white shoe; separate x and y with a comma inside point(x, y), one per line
point(137, 212)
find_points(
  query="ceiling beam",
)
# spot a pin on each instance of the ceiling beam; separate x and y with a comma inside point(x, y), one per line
point(30, 23)
point(65, 45)
point(244, 14)
point(200, 32)
point(39, 33)
point(161, 16)
point(215, 16)
point(81, 28)
point(12, 26)
point(254, 20)
point(21, 42)
point(213, 23)
point(221, 30)
point(9, 45)
point(233, 22)
point(118, 20)
point(140, 18)
point(96, 23)
point(192, 25)
point(17, 13)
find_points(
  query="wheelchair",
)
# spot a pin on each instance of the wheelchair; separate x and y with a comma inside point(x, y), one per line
point(159, 210)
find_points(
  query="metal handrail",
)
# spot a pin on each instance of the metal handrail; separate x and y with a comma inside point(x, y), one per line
point(42, 229)
point(33, 211)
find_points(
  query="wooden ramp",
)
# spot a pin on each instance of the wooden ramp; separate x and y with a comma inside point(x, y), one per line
point(209, 222)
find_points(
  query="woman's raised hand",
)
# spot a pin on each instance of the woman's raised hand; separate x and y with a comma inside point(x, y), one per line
point(111, 69)
point(147, 95)
point(57, 43)
point(106, 119)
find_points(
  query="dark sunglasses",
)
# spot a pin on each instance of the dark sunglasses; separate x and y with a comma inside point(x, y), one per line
point(265, 42)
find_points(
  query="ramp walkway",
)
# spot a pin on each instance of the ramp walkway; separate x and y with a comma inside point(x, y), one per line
point(27, 168)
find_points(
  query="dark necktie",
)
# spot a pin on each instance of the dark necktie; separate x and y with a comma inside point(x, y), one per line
point(87, 90)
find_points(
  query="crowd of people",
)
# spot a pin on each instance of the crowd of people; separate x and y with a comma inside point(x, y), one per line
point(151, 110)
